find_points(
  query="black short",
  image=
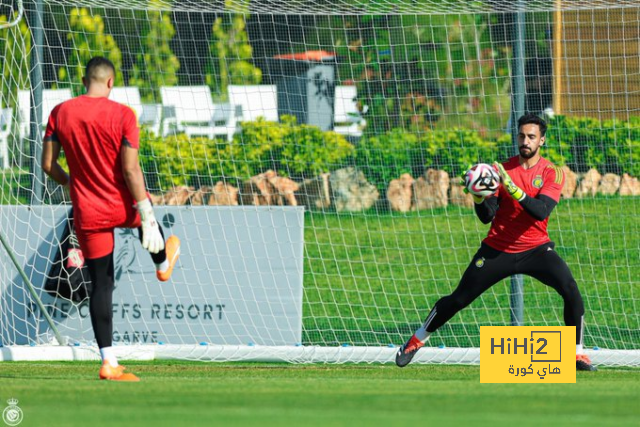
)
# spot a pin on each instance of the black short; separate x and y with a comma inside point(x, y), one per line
point(489, 266)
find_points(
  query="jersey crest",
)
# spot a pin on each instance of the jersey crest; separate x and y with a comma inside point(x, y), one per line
point(537, 181)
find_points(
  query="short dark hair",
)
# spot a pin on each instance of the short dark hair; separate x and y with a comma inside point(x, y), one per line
point(97, 64)
point(532, 119)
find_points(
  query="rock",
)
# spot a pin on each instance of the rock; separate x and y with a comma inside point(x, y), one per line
point(431, 191)
point(257, 191)
point(400, 193)
point(285, 189)
point(223, 195)
point(629, 186)
point(458, 197)
point(609, 184)
point(570, 183)
point(178, 196)
point(315, 193)
point(201, 197)
point(350, 190)
point(157, 199)
point(589, 184)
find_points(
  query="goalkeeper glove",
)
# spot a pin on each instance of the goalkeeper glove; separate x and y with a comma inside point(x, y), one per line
point(476, 199)
point(515, 191)
point(151, 238)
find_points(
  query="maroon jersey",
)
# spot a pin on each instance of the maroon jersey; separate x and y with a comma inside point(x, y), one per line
point(513, 229)
point(91, 132)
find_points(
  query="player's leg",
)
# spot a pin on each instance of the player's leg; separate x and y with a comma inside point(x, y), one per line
point(97, 248)
point(545, 265)
point(100, 302)
point(487, 268)
point(166, 259)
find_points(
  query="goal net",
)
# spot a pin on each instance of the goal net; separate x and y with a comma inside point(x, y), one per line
point(307, 154)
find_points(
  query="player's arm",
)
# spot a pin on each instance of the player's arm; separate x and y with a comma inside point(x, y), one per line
point(51, 151)
point(486, 209)
point(151, 237)
point(133, 172)
point(539, 207)
point(50, 165)
point(543, 204)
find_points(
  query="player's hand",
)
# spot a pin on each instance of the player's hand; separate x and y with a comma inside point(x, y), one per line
point(476, 199)
point(151, 238)
point(515, 191)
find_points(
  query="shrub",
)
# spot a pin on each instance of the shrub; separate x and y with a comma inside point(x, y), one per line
point(307, 151)
point(179, 160)
point(290, 149)
point(455, 149)
point(584, 142)
point(385, 157)
point(298, 151)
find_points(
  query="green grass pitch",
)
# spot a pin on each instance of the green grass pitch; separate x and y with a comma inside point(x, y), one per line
point(371, 278)
point(212, 394)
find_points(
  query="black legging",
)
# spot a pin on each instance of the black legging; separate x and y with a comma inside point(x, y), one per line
point(490, 266)
point(101, 271)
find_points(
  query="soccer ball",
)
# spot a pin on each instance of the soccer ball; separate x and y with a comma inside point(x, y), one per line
point(482, 180)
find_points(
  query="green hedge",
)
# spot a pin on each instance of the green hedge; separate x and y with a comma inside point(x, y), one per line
point(301, 151)
point(387, 156)
point(583, 143)
point(294, 150)
point(578, 142)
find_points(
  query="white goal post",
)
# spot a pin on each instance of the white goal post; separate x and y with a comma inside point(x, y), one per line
point(307, 153)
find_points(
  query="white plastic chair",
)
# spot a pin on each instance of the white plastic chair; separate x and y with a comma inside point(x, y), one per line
point(50, 98)
point(346, 117)
point(6, 120)
point(255, 101)
point(149, 115)
point(128, 96)
point(24, 105)
point(190, 109)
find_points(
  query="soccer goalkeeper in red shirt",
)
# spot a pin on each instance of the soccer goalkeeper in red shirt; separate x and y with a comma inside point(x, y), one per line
point(100, 139)
point(517, 243)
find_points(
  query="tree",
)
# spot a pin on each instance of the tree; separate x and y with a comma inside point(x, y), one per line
point(88, 40)
point(231, 54)
point(423, 71)
point(156, 65)
point(15, 45)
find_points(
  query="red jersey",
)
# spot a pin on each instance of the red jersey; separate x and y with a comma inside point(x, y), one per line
point(91, 132)
point(513, 229)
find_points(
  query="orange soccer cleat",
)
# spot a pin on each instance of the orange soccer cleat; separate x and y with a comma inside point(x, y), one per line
point(173, 252)
point(583, 363)
point(108, 372)
point(407, 351)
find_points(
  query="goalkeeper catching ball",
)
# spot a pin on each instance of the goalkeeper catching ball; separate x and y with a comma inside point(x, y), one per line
point(100, 139)
point(517, 242)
